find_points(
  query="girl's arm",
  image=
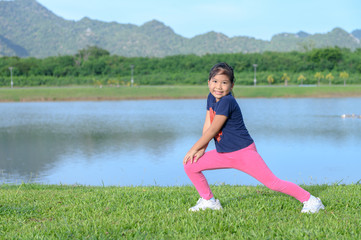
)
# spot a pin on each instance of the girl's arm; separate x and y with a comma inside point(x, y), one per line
point(206, 125)
point(208, 134)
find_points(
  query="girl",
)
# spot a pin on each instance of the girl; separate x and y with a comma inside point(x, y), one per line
point(234, 147)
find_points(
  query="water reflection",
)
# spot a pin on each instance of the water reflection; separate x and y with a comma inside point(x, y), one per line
point(143, 142)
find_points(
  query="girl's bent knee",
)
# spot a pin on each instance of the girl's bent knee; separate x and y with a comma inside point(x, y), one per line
point(188, 167)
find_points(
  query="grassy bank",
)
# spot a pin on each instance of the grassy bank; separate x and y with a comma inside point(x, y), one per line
point(167, 92)
point(30, 211)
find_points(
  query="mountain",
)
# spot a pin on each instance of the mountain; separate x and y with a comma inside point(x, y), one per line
point(27, 29)
point(8, 48)
point(303, 41)
point(357, 33)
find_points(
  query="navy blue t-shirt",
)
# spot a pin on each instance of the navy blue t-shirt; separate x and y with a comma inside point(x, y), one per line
point(234, 135)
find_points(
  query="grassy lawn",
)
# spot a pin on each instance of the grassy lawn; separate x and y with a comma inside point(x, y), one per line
point(165, 92)
point(32, 211)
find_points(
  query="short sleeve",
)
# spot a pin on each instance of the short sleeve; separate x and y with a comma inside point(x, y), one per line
point(210, 100)
point(225, 106)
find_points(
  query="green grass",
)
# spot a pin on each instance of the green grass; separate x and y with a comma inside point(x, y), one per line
point(32, 211)
point(168, 92)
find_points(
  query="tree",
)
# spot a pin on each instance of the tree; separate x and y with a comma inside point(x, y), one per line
point(113, 82)
point(270, 79)
point(91, 52)
point(344, 76)
point(326, 58)
point(301, 78)
point(318, 76)
point(285, 78)
point(329, 77)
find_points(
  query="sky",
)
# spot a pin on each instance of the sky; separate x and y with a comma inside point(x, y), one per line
point(260, 19)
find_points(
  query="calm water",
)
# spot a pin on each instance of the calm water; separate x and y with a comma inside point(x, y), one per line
point(143, 142)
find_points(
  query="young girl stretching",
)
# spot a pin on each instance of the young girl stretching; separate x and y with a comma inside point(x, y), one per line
point(234, 147)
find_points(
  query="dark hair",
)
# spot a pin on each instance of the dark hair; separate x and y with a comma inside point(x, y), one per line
point(222, 68)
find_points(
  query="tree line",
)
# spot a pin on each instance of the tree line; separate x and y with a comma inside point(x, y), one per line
point(94, 65)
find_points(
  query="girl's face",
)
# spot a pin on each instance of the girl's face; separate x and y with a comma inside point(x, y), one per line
point(220, 86)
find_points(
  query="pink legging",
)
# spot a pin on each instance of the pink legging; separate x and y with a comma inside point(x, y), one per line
point(246, 160)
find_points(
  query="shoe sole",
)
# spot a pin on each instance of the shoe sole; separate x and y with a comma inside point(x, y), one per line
point(197, 210)
point(316, 211)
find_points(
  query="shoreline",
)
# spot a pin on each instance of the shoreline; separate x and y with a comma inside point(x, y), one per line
point(157, 98)
point(86, 93)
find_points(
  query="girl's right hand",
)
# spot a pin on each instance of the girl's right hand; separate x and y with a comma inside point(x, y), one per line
point(193, 157)
point(198, 155)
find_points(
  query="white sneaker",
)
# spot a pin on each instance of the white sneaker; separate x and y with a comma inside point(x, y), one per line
point(313, 205)
point(203, 204)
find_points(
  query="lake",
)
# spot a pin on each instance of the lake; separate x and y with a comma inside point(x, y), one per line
point(125, 143)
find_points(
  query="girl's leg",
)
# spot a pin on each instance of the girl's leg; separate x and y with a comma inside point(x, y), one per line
point(246, 160)
point(249, 161)
point(210, 160)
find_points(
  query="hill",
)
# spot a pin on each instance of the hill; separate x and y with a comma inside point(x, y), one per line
point(27, 29)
